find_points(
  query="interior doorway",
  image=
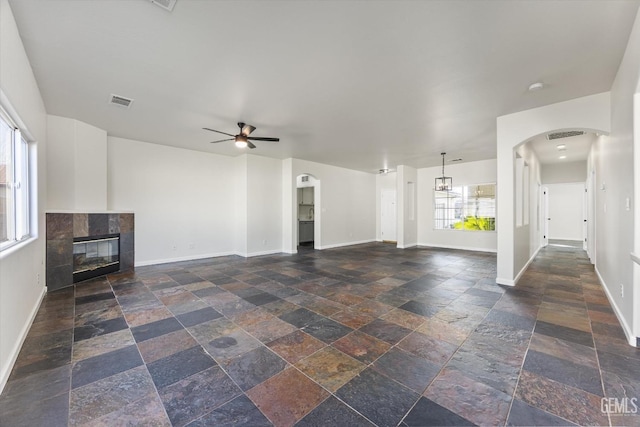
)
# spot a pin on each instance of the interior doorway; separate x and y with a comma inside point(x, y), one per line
point(307, 212)
point(388, 216)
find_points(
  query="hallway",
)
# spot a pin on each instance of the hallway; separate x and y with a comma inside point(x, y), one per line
point(364, 335)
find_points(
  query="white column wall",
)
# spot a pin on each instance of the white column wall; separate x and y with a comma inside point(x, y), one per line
point(77, 167)
point(407, 219)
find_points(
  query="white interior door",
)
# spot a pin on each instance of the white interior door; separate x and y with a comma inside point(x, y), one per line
point(544, 218)
point(388, 223)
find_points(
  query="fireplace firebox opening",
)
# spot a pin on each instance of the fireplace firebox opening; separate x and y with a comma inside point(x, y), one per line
point(95, 256)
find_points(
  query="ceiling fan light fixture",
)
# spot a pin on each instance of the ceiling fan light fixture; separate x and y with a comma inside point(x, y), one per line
point(443, 183)
point(536, 86)
point(241, 141)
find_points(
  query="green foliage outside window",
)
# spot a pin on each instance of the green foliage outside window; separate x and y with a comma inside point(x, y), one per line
point(476, 223)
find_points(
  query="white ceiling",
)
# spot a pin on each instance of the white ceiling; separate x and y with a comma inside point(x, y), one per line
point(363, 85)
point(576, 148)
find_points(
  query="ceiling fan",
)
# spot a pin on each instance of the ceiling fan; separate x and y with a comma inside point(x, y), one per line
point(243, 139)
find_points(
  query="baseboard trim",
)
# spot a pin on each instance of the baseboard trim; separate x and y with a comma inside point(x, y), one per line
point(15, 351)
point(514, 281)
point(505, 282)
point(341, 245)
point(185, 258)
point(409, 246)
point(460, 248)
point(261, 253)
point(633, 341)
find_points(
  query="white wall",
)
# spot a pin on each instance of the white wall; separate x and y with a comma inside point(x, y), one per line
point(346, 211)
point(76, 165)
point(264, 205)
point(613, 164)
point(565, 211)
point(22, 266)
point(407, 201)
point(527, 241)
point(482, 172)
point(588, 113)
point(182, 199)
point(239, 204)
point(558, 173)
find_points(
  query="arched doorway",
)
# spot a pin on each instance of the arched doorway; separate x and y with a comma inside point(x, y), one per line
point(308, 212)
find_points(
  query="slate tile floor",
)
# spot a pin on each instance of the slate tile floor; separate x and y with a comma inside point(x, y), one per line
point(359, 336)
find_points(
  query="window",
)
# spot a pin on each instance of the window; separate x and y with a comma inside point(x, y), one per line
point(14, 184)
point(471, 207)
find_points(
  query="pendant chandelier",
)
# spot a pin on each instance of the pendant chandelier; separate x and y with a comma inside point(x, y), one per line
point(444, 183)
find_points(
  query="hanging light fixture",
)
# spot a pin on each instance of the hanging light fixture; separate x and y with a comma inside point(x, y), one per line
point(444, 183)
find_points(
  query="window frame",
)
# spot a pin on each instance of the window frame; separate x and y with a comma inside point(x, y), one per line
point(461, 203)
point(18, 210)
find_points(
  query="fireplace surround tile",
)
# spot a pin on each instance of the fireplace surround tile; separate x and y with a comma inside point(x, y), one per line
point(62, 228)
point(59, 226)
point(114, 223)
point(98, 224)
point(80, 225)
point(126, 223)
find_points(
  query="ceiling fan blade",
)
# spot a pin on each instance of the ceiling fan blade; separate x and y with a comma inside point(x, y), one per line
point(250, 145)
point(213, 130)
point(259, 138)
point(221, 140)
point(246, 129)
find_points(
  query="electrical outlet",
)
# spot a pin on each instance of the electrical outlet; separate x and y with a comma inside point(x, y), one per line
point(192, 246)
point(621, 290)
point(264, 242)
point(174, 248)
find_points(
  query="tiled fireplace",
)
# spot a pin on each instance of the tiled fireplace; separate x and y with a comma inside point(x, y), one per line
point(85, 245)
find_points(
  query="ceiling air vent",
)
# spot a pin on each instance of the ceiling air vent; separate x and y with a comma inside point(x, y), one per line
point(305, 178)
point(559, 135)
point(120, 101)
point(165, 4)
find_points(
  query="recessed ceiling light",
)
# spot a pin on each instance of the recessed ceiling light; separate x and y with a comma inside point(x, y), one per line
point(536, 86)
point(562, 157)
point(561, 147)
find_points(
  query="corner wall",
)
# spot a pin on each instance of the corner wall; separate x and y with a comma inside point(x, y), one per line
point(76, 165)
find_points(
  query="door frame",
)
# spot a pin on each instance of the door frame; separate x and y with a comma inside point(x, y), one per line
point(389, 191)
point(544, 217)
